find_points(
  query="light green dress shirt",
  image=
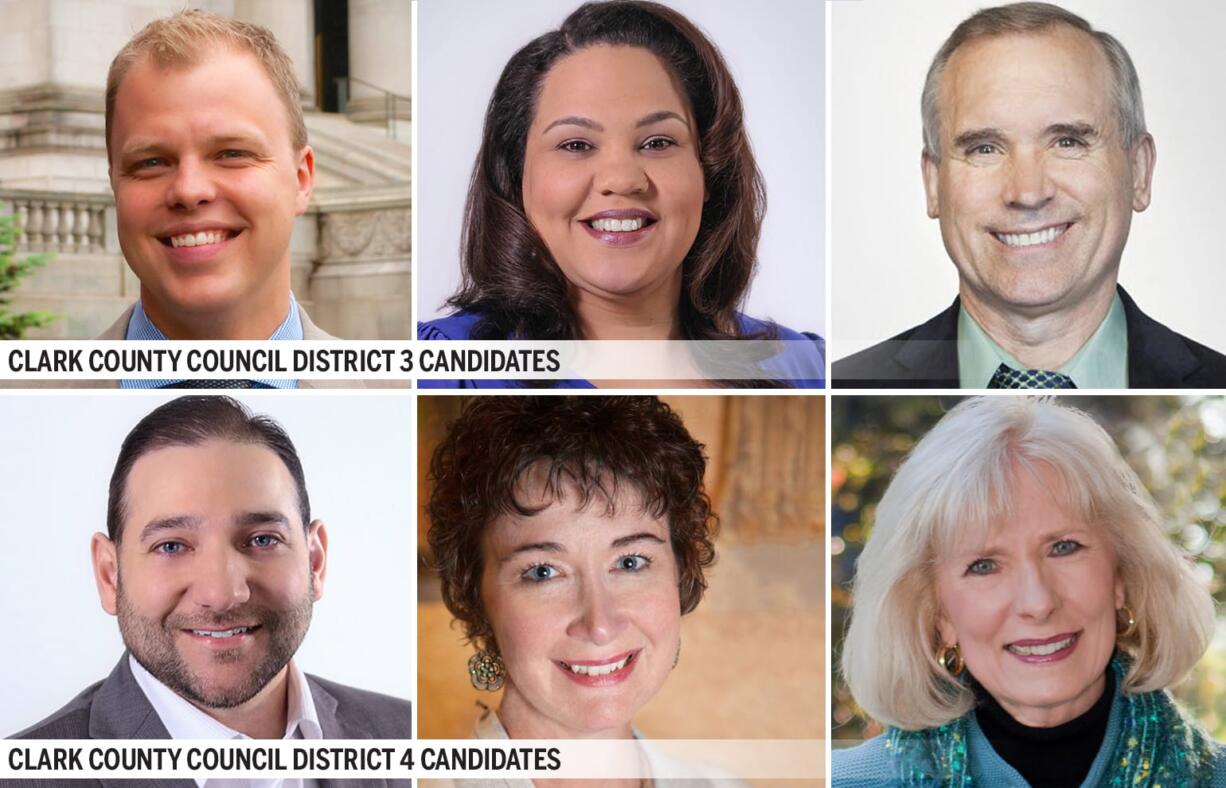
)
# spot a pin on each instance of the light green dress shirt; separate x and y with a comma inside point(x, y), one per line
point(1101, 363)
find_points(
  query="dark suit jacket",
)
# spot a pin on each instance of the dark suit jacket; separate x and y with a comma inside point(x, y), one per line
point(926, 356)
point(116, 708)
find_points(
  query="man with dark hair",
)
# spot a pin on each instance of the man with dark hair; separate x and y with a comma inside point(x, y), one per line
point(212, 564)
point(1036, 155)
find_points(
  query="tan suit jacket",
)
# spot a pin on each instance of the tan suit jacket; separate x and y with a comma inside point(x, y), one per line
point(119, 330)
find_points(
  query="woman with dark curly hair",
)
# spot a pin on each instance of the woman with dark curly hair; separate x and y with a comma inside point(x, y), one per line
point(616, 196)
point(571, 535)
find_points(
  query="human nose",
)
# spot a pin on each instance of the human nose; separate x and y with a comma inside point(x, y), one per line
point(1027, 185)
point(599, 616)
point(220, 582)
point(620, 173)
point(191, 186)
point(1035, 597)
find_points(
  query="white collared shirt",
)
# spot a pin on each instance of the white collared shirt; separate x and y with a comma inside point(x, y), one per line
point(182, 720)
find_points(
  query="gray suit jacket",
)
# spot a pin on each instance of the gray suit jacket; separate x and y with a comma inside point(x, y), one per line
point(116, 708)
point(119, 330)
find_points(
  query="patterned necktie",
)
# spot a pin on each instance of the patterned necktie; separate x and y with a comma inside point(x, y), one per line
point(216, 384)
point(1006, 377)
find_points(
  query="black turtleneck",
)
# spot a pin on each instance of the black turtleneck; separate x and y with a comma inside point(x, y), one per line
point(1056, 757)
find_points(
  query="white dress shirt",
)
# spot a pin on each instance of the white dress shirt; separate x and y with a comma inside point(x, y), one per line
point(184, 721)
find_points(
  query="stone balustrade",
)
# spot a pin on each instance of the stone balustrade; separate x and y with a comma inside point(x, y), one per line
point(58, 221)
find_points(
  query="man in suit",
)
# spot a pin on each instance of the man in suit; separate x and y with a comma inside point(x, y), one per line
point(209, 163)
point(1035, 157)
point(212, 565)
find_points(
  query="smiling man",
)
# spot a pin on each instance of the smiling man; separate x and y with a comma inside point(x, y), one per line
point(212, 565)
point(1035, 157)
point(209, 164)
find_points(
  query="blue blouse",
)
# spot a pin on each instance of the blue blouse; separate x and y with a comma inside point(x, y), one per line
point(802, 364)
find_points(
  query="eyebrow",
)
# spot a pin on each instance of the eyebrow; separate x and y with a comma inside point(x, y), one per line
point(646, 120)
point(182, 522)
point(643, 536)
point(142, 148)
point(554, 547)
point(973, 137)
point(187, 522)
point(249, 519)
point(1072, 130)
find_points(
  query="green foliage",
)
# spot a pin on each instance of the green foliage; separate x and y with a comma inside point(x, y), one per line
point(1177, 445)
point(12, 271)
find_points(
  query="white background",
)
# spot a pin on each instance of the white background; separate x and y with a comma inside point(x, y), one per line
point(56, 460)
point(775, 53)
point(889, 267)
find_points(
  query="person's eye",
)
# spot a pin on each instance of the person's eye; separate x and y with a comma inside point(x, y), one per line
point(981, 566)
point(1070, 142)
point(264, 540)
point(633, 563)
point(575, 146)
point(658, 144)
point(1066, 547)
point(151, 163)
point(232, 153)
point(539, 573)
point(170, 548)
point(983, 149)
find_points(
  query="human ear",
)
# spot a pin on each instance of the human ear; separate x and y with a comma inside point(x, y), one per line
point(105, 558)
point(1144, 156)
point(317, 556)
point(305, 174)
point(931, 172)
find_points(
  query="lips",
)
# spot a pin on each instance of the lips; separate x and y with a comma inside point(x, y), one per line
point(1023, 238)
point(620, 227)
point(1049, 649)
point(600, 673)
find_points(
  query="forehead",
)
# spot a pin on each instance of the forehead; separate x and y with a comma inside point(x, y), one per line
point(214, 479)
point(1037, 504)
point(609, 83)
point(564, 517)
point(1026, 81)
point(224, 86)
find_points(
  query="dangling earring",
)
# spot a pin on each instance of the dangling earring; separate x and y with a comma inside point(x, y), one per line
point(677, 656)
point(950, 658)
point(487, 671)
point(1125, 622)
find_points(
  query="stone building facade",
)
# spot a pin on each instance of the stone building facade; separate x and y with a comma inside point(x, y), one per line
point(350, 251)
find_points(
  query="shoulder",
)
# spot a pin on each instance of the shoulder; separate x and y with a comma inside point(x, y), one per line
point(922, 355)
point(361, 713)
point(119, 329)
point(1159, 357)
point(70, 722)
point(803, 359)
point(864, 765)
point(458, 325)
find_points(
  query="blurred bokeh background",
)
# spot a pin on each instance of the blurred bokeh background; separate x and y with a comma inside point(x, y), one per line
point(752, 657)
point(1177, 445)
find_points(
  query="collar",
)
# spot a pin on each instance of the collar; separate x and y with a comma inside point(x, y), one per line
point(140, 327)
point(185, 721)
point(1101, 363)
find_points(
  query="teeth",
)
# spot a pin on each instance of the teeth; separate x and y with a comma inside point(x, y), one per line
point(617, 225)
point(198, 239)
point(599, 670)
point(1032, 239)
point(1044, 650)
point(228, 633)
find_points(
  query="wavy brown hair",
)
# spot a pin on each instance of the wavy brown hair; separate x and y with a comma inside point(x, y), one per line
point(586, 447)
point(510, 278)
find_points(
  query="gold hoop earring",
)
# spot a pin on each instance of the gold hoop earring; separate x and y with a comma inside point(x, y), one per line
point(950, 658)
point(1125, 622)
point(487, 671)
